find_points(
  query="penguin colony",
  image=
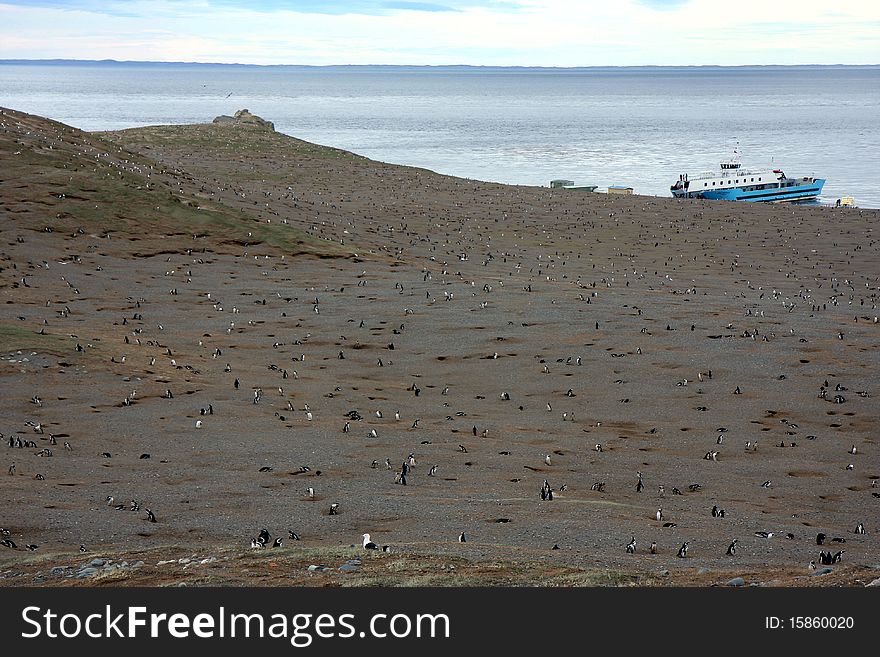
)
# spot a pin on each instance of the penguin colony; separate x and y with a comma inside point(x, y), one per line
point(620, 372)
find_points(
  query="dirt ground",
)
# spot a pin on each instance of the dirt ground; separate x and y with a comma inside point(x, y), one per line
point(212, 321)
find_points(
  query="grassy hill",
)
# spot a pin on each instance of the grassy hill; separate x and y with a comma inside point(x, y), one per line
point(58, 178)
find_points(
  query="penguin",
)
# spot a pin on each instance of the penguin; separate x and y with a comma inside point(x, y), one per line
point(653, 547)
point(82, 548)
point(151, 516)
point(432, 471)
point(860, 529)
point(683, 550)
point(631, 546)
point(640, 485)
point(731, 549)
point(277, 543)
point(659, 514)
point(838, 556)
point(8, 542)
point(334, 509)
point(820, 539)
point(292, 535)
point(264, 536)
point(461, 538)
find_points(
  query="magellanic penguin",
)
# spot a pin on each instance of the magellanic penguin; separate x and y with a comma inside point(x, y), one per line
point(683, 550)
point(731, 549)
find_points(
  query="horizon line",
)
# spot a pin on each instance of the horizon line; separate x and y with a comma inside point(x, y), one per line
point(65, 60)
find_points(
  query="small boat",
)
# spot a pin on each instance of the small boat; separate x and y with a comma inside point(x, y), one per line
point(737, 184)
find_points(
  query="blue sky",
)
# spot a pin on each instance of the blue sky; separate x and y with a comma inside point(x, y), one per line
point(476, 32)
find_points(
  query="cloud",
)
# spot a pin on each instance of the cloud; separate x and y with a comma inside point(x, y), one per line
point(362, 7)
point(478, 32)
point(417, 6)
point(662, 5)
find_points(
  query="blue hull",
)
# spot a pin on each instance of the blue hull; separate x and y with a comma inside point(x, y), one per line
point(802, 192)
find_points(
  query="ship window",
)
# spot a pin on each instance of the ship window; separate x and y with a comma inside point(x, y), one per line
point(705, 184)
point(753, 180)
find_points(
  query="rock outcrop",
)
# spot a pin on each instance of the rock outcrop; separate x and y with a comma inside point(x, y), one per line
point(244, 117)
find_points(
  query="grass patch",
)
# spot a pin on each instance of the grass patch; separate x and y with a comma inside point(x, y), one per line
point(14, 338)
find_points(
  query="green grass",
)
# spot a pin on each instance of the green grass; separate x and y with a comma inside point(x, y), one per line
point(16, 338)
point(63, 179)
point(226, 140)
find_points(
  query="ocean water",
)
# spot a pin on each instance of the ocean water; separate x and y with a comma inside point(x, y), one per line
point(640, 127)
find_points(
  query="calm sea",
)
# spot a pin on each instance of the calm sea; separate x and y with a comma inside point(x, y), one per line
point(640, 127)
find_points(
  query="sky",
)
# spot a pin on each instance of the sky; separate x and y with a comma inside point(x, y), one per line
point(446, 32)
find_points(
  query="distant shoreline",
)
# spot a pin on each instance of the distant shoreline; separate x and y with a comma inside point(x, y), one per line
point(439, 67)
